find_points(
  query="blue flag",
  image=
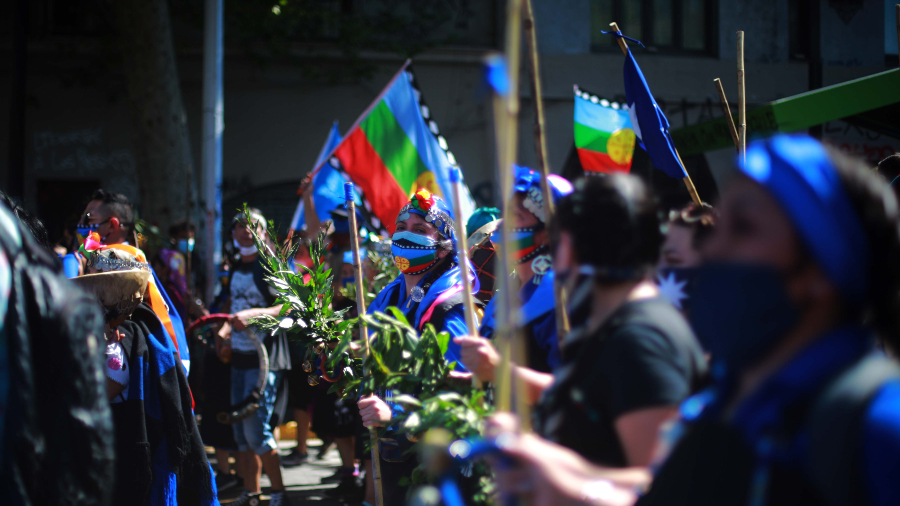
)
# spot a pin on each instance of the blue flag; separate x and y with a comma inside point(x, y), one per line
point(649, 123)
point(327, 185)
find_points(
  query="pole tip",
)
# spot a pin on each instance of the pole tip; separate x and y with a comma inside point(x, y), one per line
point(454, 175)
point(348, 192)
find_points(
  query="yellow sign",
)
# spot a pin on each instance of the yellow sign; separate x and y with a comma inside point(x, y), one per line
point(620, 146)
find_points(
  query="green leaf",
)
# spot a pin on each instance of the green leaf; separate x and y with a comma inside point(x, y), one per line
point(407, 400)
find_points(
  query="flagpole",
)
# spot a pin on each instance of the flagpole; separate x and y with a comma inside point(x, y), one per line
point(742, 99)
point(688, 182)
point(363, 331)
point(462, 253)
point(540, 141)
point(727, 110)
point(506, 111)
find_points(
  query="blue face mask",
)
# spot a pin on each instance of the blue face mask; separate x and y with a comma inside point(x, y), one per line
point(740, 312)
point(413, 253)
point(185, 245)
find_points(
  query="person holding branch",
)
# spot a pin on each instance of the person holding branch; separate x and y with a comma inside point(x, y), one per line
point(429, 290)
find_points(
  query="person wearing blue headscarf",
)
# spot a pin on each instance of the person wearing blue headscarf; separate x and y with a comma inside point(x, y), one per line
point(533, 268)
point(429, 290)
point(797, 303)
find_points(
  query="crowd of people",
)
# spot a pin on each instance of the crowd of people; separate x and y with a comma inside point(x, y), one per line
point(730, 355)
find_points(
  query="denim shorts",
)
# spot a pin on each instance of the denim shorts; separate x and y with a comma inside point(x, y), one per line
point(254, 432)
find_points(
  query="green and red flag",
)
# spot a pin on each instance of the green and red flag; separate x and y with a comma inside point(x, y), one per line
point(604, 136)
point(394, 149)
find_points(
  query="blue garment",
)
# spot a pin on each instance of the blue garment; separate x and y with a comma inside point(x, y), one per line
point(177, 324)
point(537, 311)
point(799, 380)
point(454, 320)
point(70, 265)
point(255, 432)
point(163, 487)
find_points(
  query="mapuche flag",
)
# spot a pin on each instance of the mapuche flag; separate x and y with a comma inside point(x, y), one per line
point(604, 136)
point(394, 149)
point(649, 122)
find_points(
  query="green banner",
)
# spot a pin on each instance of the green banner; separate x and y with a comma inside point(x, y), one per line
point(796, 113)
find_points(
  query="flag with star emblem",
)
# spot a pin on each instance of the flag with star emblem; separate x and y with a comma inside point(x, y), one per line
point(675, 284)
point(649, 123)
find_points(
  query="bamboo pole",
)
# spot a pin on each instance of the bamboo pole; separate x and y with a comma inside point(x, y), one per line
point(540, 144)
point(688, 182)
point(462, 253)
point(727, 110)
point(363, 330)
point(506, 111)
point(742, 99)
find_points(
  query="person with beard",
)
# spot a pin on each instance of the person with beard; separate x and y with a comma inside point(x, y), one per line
point(799, 287)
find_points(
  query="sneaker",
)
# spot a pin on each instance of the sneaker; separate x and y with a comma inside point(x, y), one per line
point(225, 482)
point(338, 475)
point(279, 498)
point(295, 458)
point(246, 499)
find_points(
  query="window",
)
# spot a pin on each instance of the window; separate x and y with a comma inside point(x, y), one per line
point(662, 25)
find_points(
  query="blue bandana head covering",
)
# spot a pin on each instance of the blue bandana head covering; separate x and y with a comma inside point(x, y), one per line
point(796, 170)
point(433, 209)
point(481, 217)
point(529, 182)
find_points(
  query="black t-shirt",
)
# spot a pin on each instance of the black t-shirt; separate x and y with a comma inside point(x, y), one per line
point(254, 292)
point(645, 355)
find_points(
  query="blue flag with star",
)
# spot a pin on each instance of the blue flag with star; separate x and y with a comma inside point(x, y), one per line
point(649, 123)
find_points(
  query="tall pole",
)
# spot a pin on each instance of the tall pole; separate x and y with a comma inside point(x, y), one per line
point(688, 182)
point(213, 125)
point(363, 330)
point(727, 110)
point(742, 99)
point(540, 144)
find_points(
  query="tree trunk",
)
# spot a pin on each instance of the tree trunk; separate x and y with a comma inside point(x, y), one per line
point(162, 147)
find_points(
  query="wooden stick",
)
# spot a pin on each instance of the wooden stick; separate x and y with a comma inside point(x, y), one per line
point(727, 110)
point(688, 182)
point(462, 254)
point(363, 330)
point(506, 116)
point(540, 145)
point(742, 99)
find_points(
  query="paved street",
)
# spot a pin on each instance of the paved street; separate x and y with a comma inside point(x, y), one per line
point(301, 482)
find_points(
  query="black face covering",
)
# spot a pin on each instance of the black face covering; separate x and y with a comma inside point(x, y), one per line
point(740, 311)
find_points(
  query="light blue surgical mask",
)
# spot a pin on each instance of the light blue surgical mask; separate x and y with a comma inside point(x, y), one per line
point(185, 245)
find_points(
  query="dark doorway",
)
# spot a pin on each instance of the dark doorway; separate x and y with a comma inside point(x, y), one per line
point(61, 201)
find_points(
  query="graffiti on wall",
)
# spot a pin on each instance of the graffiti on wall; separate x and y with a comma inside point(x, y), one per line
point(83, 153)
